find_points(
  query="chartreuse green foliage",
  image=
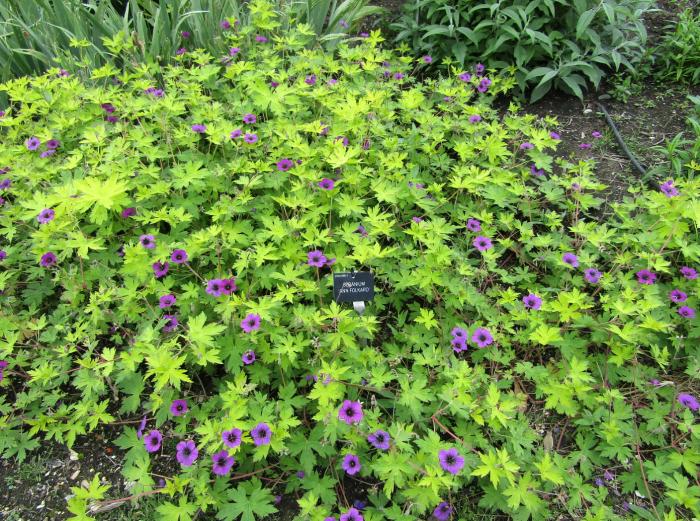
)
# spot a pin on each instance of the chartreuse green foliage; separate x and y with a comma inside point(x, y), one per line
point(678, 54)
point(565, 44)
point(560, 398)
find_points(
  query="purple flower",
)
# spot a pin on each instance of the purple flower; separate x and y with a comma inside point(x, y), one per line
point(32, 143)
point(451, 461)
point(482, 243)
point(351, 464)
point(260, 39)
point(343, 24)
point(345, 140)
point(379, 439)
point(366, 144)
point(596, 134)
point(326, 184)
point(398, 76)
point(234, 50)
point(570, 259)
point(160, 269)
point(166, 301)
point(236, 133)
point(537, 172)
point(554, 135)
point(482, 337)
point(48, 259)
point(361, 230)
point(484, 85)
point(152, 440)
point(179, 257)
point(108, 108)
point(689, 401)
point(261, 434)
point(301, 474)
point(474, 118)
point(427, 59)
point(668, 189)
point(310, 79)
point(592, 275)
point(5, 184)
point(142, 426)
point(274, 84)
point(677, 296)
point(128, 212)
point(526, 146)
point(284, 164)
point(689, 273)
point(148, 241)
point(199, 129)
point(185, 34)
point(171, 323)
point(47, 153)
point(332, 81)
point(316, 259)
point(479, 69)
point(249, 119)
point(646, 277)
point(186, 453)
point(248, 357)
point(222, 463)
point(458, 332)
point(180, 52)
point(363, 35)
point(228, 286)
point(473, 225)
point(585, 146)
point(350, 412)
point(442, 512)
point(599, 482)
point(232, 438)
point(608, 475)
point(112, 119)
point(465, 77)
point(178, 407)
point(353, 514)
point(250, 323)
point(459, 344)
point(225, 24)
point(686, 312)
point(532, 301)
point(214, 287)
point(53, 144)
point(45, 216)
point(250, 138)
point(3, 255)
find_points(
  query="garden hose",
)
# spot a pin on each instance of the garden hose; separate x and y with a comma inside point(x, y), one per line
point(635, 162)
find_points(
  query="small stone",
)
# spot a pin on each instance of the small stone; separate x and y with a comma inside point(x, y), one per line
point(73, 456)
point(75, 474)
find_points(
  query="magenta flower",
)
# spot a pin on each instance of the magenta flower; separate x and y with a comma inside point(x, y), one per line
point(465, 77)
point(689, 401)
point(459, 344)
point(350, 412)
point(178, 407)
point(48, 259)
point(442, 512)
point(187, 453)
point(128, 212)
point(668, 189)
point(53, 144)
point(250, 138)
point(326, 184)
point(45, 216)
point(689, 273)
point(179, 257)
point(379, 439)
point(532, 301)
point(527, 146)
point(248, 357)
point(473, 225)
point(32, 143)
point(451, 461)
point(677, 296)
point(686, 312)
point(596, 134)
point(351, 464)
point(458, 332)
point(261, 434)
point(180, 52)
point(225, 24)
point(166, 301)
point(232, 438)
point(646, 277)
point(222, 463)
point(3, 255)
point(147, 241)
point(554, 135)
point(228, 286)
point(284, 164)
point(479, 68)
point(482, 243)
point(171, 323)
point(250, 323)
point(47, 153)
point(344, 25)
point(592, 275)
point(310, 79)
point(160, 269)
point(316, 259)
point(474, 118)
point(199, 129)
point(570, 259)
point(214, 287)
point(152, 440)
point(353, 514)
point(484, 85)
point(427, 59)
point(585, 146)
point(235, 134)
point(234, 50)
point(482, 337)
point(249, 119)
point(260, 39)
point(185, 34)
point(537, 172)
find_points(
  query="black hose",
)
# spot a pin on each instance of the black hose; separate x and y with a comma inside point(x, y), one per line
point(635, 162)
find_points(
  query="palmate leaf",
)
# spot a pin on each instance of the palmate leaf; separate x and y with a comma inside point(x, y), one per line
point(246, 502)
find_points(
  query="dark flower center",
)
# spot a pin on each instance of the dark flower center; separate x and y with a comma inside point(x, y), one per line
point(222, 460)
point(154, 440)
point(178, 256)
point(232, 437)
point(215, 286)
point(186, 451)
point(251, 323)
point(380, 438)
point(349, 412)
point(178, 407)
point(444, 509)
point(482, 338)
point(351, 463)
point(450, 460)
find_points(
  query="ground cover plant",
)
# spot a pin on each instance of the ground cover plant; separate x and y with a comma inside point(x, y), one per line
point(569, 45)
point(168, 239)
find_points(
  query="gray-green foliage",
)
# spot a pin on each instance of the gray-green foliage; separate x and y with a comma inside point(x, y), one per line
point(565, 44)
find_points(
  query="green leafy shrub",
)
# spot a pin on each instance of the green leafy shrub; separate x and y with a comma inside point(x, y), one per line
point(519, 356)
point(567, 44)
point(678, 54)
point(683, 150)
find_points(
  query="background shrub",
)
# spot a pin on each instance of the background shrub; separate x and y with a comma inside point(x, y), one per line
point(565, 44)
point(679, 50)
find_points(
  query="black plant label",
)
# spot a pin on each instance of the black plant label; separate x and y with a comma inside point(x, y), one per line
point(357, 286)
